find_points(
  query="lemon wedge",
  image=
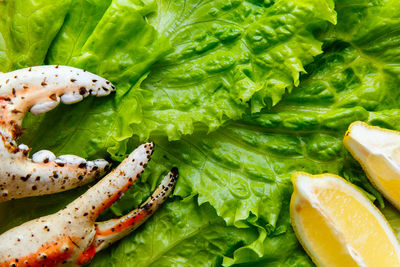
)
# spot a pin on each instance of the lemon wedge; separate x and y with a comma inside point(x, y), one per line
point(338, 226)
point(378, 152)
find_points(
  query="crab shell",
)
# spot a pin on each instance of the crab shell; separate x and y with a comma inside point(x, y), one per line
point(38, 90)
point(71, 236)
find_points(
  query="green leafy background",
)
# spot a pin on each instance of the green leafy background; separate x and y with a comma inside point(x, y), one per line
point(237, 94)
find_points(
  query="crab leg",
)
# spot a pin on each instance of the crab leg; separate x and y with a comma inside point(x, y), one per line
point(38, 90)
point(112, 186)
point(71, 235)
point(112, 230)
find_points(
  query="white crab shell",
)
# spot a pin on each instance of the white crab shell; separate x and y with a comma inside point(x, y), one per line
point(38, 90)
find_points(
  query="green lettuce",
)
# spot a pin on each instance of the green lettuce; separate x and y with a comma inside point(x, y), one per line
point(26, 31)
point(226, 53)
point(213, 59)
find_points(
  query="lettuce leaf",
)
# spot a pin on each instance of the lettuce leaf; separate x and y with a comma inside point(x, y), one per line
point(225, 54)
point(80, 21)
point(27, 29)
point(209, 65)
point(242, 170)
point(81, 34)
point(372, 27)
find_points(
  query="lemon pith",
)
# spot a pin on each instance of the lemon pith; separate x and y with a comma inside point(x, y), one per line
point(338, 225)
point(378, 152)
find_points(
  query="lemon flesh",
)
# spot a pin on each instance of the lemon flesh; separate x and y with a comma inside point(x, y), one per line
point(338, 226)
point(378, 152)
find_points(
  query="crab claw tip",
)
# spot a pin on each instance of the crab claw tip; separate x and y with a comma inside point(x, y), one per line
point(175, 171)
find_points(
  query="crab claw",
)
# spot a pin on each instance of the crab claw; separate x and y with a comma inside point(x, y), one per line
point(71, 235)
point(38, 90)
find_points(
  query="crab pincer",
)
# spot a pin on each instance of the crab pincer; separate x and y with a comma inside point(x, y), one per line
point(72, 236)
point(38, 90)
